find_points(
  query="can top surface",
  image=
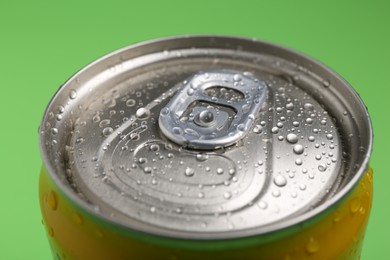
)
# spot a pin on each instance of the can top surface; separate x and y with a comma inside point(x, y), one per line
point(205, 137)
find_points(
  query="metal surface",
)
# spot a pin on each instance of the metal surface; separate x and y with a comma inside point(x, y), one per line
point(213, 109)
point(307, 146)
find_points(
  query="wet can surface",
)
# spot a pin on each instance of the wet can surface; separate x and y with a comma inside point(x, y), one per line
point(206, 146)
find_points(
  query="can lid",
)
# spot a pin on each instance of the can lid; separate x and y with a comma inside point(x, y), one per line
point(206, 137)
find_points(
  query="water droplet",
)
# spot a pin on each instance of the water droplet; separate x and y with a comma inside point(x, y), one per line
point(134, 136)
point(52, 200)
point(177, 131)
point(258, 129)
point(298, 161)
point(308, 106)
point(148, 170)
point(165, 111)
point(290, 106)
point(302, 186)
point(292, 138)
point(107, 131)
point(227, 195)
point(276, 193)
point(298, 149)
point(154, 147)
point(311, 138)
point(322, 167)
point(96, 118)
point(190, 92)
point(104, 123)
point(241, 127)
point(200, 195)
point(202, 156)
point(54, 131)
point(219, 171)
point(130, 102)
point(152, 209)
point(354, 205)
point(189, 172)
point(142, 160)
point(142, 113)
point(326, 83)
point(295, 123)
point(237, 77)
point(79, 140)
point(50, 231)
point(336, 216)
point(178, 210)
point(280, 180)
point(73, 94)
point(61, 109)
point(318, 157)
point(309, 120)
point(262, 204)
point(78, 218)
point(275, 130)
point(312, 246)
point(329, 136)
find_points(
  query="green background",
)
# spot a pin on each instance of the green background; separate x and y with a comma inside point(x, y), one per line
point(45, 42)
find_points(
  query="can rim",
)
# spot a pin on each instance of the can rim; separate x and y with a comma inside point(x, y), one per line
point(334, 200)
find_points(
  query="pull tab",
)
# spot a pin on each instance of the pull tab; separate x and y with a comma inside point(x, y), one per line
point(213, 109)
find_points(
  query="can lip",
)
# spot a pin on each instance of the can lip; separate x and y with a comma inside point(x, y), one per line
point(241, 233)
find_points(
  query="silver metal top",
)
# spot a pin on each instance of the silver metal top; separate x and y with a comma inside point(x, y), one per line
point(284, 137)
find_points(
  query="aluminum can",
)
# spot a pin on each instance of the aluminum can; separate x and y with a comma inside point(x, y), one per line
point(204, 147)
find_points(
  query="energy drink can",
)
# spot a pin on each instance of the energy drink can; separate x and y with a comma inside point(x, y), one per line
point(206, 147)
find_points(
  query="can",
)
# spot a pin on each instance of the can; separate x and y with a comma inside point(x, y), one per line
point(206, 147)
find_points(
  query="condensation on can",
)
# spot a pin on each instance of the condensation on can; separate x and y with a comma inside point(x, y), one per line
point(206, 146)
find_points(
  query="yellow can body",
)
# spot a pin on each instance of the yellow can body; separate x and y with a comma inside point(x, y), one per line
point(336, 234)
